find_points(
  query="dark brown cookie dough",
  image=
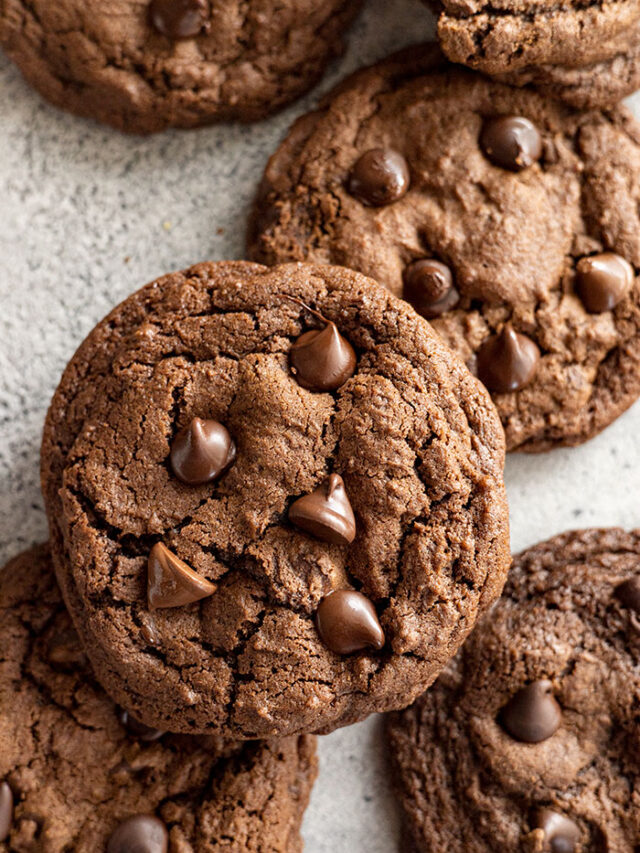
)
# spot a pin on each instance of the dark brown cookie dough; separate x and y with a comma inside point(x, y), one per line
point(75, 770)
point(145, 65)
point(510, 234)
point(529, 739)
point(412, 434)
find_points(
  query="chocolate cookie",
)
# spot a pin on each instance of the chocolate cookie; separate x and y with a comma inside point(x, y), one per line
point(529, 740)
point(267, 517)
point(145, 65)
point(509, 220)
point(79, 773)
point(543, 39)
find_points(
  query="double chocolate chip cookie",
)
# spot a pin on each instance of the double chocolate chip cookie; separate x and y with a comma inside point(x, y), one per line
point(145, 65)
point(508, 220)
point(79, 773)
point(529, 740)
point(276, 500)
point(587, 54)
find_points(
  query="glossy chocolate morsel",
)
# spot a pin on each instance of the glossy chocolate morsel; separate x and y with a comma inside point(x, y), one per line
point(379, 177)
point(179, 19)
point(428, 286)
point(347, 622)
point(137, 729)
point(628, 593)
point(561, 834)
point(6, 810)
point(532, 714)
point(507, 361)
point(171, 582)
point(322, 359)
point(602, 281)
point(326, 513)
point(202, 452)
point(65, 650)
point(140, 834)
point(511, 142)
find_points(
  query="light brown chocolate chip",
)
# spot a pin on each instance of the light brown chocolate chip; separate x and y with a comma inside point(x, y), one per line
point(171, 582)
point(326, 513)
point(347, 622)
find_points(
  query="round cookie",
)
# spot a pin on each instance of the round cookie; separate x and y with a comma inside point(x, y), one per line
point(347, 538)
point(78, 773)
point(507, 190)
point(529, 739)
point(146, 65)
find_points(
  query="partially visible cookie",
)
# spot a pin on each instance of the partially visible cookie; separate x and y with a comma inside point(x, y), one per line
point(145, 65)
point(78, 773)
point(529, 740)
point(276, 500)
point(508, 219)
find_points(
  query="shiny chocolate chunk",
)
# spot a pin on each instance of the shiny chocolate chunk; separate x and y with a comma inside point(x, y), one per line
point(532, 714)
point(202, 452)
point(139, 834)
point(428, 286)
point(603, 280)
point(179, 19)
point(379, 177)
point(511, 142)
point(507, 361)
point(172, 583)
point(65, 650)
point(322, 359)
point(137, 729)
point(6, 810)
point(628, 593)
point(561, 834)
point(347, 622)
point(326, 513)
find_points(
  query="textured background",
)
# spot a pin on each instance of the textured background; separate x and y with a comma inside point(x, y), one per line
point(88, 215)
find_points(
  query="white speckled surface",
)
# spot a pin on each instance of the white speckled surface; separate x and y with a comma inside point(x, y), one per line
point(89, 215)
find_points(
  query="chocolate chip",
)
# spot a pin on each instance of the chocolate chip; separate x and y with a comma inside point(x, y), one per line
point(139, 834)
point(379, 177)
point(561, 835)
point(628, 593)
point(507, 361)
point(179, 19)
point(533, 714)
point(428, 286)
point(65, 650)
point(322, 359)
point(347, 622)
point(6, 810)
point(603, 280)
point(172, 583)
point(326, 513)
point(202, 452)
point(511, 142)
point(137, 729)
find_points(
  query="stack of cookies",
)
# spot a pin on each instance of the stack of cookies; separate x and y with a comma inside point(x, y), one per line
point(275, 488)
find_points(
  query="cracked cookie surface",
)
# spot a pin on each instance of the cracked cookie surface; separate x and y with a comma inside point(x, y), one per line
point(413, 435)
point(465, 783)
point(75, 771)
point(108, 62)
point(512, 240)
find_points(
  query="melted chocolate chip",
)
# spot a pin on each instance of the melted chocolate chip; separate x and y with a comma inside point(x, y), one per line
point(347, 622)
point(561, 835)
point(507, 361)
point(603, 280)
point(6, 810)
point(137, 729)
point(322, 359)
point(379, 177)
point(139, 834)
point(628, 593)
point(179, 19)
point(65, 650)
point(326, 513)
point(172, 583)
point(532, 714)
point(511, 142)
point(428, 286)
point(202, 452)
